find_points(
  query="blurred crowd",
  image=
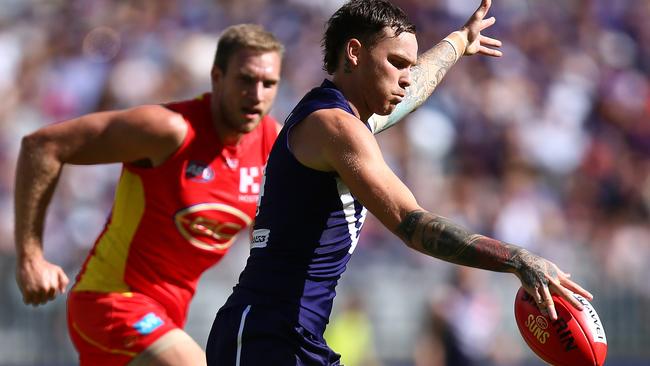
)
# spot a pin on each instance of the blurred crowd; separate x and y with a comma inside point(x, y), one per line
point(547, 147)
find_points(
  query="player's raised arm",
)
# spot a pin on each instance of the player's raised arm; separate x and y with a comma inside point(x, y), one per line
point(148, 133)
point(432, 65)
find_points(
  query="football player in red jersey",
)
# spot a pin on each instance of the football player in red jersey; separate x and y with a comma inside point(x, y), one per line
point(190, 179)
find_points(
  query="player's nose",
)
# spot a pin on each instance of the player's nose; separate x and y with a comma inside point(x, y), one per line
point(255, 91)
point(405, 79)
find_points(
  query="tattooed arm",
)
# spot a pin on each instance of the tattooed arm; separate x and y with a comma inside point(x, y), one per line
point(432, 65)
point(333, 142)
point(438, 237)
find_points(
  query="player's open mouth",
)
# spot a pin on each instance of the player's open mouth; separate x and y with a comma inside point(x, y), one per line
point(251, 112)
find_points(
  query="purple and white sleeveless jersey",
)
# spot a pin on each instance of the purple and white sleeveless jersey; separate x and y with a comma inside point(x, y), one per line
point(306, 228)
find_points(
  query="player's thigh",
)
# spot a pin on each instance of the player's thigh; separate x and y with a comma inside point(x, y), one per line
point(174, 348)
point(113, 328)
point(248, 335)
point(245, 335)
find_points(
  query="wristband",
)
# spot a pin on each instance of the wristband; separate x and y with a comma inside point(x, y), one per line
point(457, 42)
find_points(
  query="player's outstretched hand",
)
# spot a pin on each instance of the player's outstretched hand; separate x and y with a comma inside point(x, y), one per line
point(539, 277)
point(39, 280)
point(476, 42)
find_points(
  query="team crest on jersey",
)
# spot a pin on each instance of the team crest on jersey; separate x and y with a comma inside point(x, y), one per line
point(211, 226)
point(199, 171)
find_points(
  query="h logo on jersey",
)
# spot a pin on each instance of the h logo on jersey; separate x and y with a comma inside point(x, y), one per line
point(247, 182)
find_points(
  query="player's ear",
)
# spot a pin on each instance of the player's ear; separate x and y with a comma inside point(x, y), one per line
point(352, 51)
point(216, 74)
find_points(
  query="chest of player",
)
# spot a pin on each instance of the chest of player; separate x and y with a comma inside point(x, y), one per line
point(211, 194)
point(217, 199)
point(235, 181)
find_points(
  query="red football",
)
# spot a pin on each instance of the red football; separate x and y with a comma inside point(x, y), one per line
point(576, 338)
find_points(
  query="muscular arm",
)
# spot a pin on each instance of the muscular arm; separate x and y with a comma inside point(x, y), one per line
point(439, 237)
point(150, 132)
point(334, 140)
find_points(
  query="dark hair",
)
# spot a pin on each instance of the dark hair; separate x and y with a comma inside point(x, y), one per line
point(244, 36)
point(364, 20)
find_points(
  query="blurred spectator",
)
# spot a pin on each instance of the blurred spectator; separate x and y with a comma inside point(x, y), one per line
point(460, 323)
point(350, 333)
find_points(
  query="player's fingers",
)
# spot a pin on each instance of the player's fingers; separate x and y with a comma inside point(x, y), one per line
point(484, 7)
point(568, 296)
point(548, 302)
point(63, 282)
point(38, 289)
point(48, 288)
point(37, 297)
point(489, 52)
point(574, 287)
point(29, 294)
point(49, 295)
point(28, 297)
point(536, 295)
point(480, 12)
point(489, 41)
point(485, 23)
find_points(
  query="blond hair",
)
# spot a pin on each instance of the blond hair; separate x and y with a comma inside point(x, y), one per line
point(244, 36)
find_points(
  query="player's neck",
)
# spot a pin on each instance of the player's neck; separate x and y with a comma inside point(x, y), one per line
point(354, 95)
point(227, 135)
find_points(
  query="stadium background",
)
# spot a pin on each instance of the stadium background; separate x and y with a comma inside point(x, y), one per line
point(548, 147)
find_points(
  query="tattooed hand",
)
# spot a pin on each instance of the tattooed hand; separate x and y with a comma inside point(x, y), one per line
point(476, 42)
point(539, 277)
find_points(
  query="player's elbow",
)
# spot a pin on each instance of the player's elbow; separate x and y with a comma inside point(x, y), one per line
point(38, 144)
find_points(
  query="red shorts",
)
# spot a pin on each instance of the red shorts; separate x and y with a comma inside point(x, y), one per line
point(112, 328)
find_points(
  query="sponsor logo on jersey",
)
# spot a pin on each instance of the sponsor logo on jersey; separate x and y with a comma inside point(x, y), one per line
point(199, 171)
point(260, 238)
point(210, 226)
point(148, 323)
point(247, 180)
point(248, 198)
point(249, 185)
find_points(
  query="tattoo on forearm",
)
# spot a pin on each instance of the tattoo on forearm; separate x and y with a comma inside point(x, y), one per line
point(429, 71)
point(441, 238)
point(426, 75)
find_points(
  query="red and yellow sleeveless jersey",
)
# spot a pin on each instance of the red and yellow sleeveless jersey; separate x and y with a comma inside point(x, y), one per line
point(172, 222)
